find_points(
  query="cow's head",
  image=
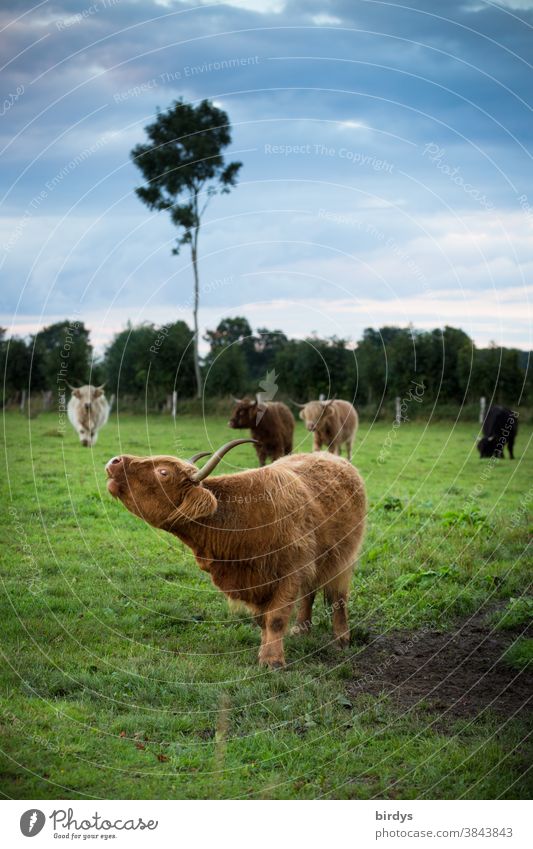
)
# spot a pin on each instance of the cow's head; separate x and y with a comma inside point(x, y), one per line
point(316, 414)
point(165, 491)
point(85, 422)
point(246, 413)
point(488, 447)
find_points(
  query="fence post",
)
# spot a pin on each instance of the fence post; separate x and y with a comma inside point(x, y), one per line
point(174, 404)
point(22, 400)
point(482, 408)
point(398, 417)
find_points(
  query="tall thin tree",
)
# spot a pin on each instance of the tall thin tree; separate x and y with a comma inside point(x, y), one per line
point(183, 166)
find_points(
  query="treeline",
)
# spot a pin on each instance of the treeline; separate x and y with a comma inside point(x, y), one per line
point(144, 365)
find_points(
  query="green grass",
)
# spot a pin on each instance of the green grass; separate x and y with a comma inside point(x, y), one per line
point(517, 612)
point(126, 675)
point(521, 653)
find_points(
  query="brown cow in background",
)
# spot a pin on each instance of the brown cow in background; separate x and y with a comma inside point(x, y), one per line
point(333, 423)
point(267, 537)
point(271, 424)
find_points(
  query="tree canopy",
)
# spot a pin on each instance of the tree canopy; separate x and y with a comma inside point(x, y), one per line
point(184, 166)
point(183, 160)
point(147, 362)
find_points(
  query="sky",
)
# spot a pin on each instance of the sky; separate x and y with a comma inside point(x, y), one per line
point(386, 174)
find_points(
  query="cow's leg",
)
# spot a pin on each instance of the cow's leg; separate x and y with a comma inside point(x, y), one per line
point(510, 446)
point(337, 597)
point(275, 623)
point(261, 454)
point(349, 448)
point(317, 442)
point(305, 613)
point(341, 629)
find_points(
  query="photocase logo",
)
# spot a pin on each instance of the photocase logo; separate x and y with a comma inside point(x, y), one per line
point(269, 388)
point(32, 822)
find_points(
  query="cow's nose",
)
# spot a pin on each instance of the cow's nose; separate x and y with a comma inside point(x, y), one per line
point(87, 406)
point(113, 463)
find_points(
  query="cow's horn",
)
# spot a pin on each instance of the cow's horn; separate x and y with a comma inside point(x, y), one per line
point(328, 402)
point(102, 385)
point(217, 457)
point(236, 400)
point(70, 386)
point(296, 404)
point(198, 456)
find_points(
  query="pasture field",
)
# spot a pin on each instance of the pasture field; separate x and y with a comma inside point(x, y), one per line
point(126, 675)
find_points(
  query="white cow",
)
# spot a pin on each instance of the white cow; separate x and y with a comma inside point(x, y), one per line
point(88, 411)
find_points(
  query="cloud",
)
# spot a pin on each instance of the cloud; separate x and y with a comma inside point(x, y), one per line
point(485, 315)
point(382, 149)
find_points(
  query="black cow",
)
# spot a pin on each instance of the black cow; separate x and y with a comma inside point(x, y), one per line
point(499, 429)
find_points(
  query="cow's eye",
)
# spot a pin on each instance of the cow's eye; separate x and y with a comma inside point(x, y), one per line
point(163, 472)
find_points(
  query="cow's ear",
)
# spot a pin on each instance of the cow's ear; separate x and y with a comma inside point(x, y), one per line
point(98, 392)
point(491, 438)
point(197, 503)
point(76, 393)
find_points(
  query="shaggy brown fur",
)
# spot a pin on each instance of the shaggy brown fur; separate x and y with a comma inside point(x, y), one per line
point(334, 423)
point(271, 425)
point(267, 537)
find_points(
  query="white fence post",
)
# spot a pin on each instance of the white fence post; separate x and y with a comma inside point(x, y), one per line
point(398, 416)
point(174, 404)
point(23, 401)
point(482, 408)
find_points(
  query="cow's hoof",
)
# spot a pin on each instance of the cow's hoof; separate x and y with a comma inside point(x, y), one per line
point(272, 663)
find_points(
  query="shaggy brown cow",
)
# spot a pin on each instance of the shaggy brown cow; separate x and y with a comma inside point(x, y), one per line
point(268, 536)
point(271, 425)
point(333, 423)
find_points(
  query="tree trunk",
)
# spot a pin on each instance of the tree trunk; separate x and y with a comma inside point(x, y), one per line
point(194, 252)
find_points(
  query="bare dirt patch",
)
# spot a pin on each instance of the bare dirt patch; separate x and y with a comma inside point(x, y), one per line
point(461, 672)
